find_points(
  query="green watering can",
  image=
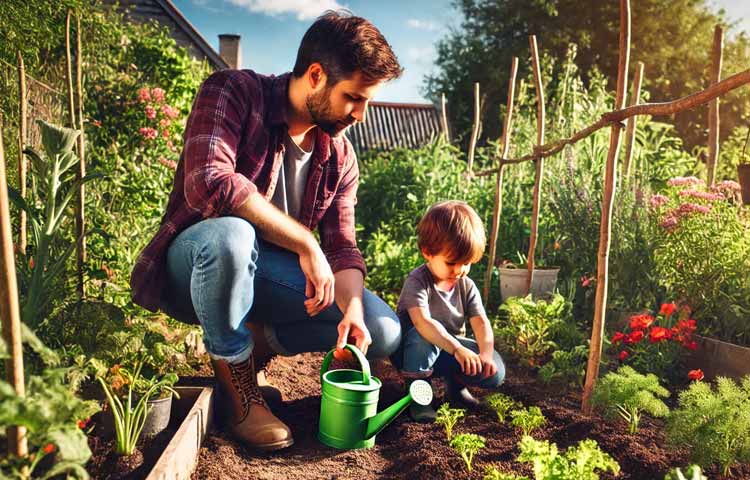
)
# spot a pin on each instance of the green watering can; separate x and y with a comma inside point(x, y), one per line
point(348, 407)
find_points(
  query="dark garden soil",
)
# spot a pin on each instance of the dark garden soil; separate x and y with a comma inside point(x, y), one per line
point(406, 450)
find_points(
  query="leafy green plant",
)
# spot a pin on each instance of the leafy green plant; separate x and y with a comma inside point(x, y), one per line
point(627, 394)
point(577, 463)
point(525, 326)
point(713, 424)
point(492, 473)
point(693, 472)
point(467, 445)
point(500, 404)
point(567, 367)
point(448, 417)
point(129, 417)
point(528, 419)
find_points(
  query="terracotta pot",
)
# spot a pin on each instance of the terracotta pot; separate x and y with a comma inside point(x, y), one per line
point(743, 174)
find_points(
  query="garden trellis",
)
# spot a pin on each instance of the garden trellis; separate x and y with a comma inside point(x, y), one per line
point(614, 119)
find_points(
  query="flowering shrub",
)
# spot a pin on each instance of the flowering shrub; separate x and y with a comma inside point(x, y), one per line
point(160, 129)
point(702, 253)
point(656, 344)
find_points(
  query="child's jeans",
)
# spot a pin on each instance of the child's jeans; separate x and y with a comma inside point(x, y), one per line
point(418, 358)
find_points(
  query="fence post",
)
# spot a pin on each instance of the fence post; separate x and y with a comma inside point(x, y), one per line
point(444, 118)
point(539, 161)
point(713, 106)
point(22, 134)
point(632, 121)
point(474, 130)
point(494, 230)
point(605, 229)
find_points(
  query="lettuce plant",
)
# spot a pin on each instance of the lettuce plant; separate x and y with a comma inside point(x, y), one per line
point(500, 404)
point(627, 394)
point(693, 473)
point(492, 473)
point(713, 424)
point(567, 367)
point(577, 463)
point(448, 417)
point(467, 445)
point(528, 420)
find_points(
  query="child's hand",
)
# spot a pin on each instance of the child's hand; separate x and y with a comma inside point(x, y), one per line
point(469, 361)
point(488, 364)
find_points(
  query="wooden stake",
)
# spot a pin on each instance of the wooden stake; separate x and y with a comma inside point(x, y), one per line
point(444, 117)
point(69, 65)
point(10, 315)
point(499, 183)
point(605, 229)
point(540, 119)
point(474, 130)
point(632, 121)
point(713, 106)
point(22, 135)
point(80, 212)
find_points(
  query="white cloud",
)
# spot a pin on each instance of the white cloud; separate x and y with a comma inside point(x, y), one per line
point(421, 55)
point(302, 9)
point(422, 24)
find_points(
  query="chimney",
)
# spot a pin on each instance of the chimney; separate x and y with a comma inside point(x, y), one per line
point(229, 49)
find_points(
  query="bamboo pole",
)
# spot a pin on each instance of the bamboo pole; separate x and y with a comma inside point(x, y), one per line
point(10, 316)
point(69, 71)
point(540, 119)
point(632, 121)
point(22, 135)
point(499, 180)
point(605, 229)
point(80, 212)
point(713, 106)
point(657, 109)
point(444, 117)
point(474, 130)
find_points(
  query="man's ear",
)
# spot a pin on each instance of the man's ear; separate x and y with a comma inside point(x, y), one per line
point(316, 76)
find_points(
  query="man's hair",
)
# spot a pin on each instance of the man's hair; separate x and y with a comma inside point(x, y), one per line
point(452, 228)
point(344, 44)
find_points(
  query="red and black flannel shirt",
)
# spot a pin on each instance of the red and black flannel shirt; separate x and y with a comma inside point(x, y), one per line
point(234, 146)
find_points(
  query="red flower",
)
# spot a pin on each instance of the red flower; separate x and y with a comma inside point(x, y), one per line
point(82, 423)
point(658, 334)
point(623, 355)
point(686, 326)
point(634, 337)
point(667, 309)
point(586, 281)
point(618, 337)
point(641, 322)
point(690, 345)
point(49, 448)
point(696, 375)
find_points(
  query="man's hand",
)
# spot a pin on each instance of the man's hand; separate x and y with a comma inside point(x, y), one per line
point(352, 326)
point(489, 368)
point(469, 361)
point(319, 284)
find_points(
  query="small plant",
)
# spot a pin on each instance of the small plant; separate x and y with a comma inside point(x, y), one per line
point(627, 393)
point(528, 420)
point(448, 417)
point(525, 326)
point(467, 445)
point(129, 419)
point(693, 473)
point(578, 463)
point(714, 424)
point(492, 473)
point(501, 404)
point(567, 367)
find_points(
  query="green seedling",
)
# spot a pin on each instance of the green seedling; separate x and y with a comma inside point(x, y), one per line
point(693, 473)
point(467, 445)
point(500, 404)
point(528, 420)
point(577, 463)
point(492, 473)
point(448, 417)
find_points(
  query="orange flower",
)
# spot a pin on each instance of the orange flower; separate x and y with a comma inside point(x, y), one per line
point(667, 309)
point(641, 322)
point(696, 375)
point(658, 334)
point(634, 337)
point(49, 448)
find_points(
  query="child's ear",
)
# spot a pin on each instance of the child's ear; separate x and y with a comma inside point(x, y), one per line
point(426, 255)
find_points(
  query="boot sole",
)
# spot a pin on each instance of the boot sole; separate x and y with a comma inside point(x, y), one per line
point(269, 447)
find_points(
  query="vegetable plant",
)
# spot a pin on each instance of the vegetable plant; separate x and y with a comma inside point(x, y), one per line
point(627, 393)
point(693, 473)
point(567, 367)
point(467, 445)
point(528, 419)
point(713, 424)
point(448, 417)
point(501, 404)
point(577, 463)
point(492, 473)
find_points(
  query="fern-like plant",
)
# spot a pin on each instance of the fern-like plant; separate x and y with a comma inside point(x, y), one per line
point(528, 419)
point(467, 445)
point(500, 404)
point(714, 424)
point(627, 394)
point(448, 417)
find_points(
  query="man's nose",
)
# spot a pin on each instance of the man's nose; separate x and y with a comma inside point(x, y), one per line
point(360, 112)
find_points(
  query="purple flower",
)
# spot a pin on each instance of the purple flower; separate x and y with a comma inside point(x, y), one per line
point(669, 223)
point(658, 200)
point(683, 181)
point(702, 195)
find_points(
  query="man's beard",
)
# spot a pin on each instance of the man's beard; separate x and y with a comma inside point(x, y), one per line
point(319, 107)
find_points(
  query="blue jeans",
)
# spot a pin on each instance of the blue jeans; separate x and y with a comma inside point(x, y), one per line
point(418, 358)
point(221, 275)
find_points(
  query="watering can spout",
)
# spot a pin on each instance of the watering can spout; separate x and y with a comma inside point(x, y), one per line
point(419, 392)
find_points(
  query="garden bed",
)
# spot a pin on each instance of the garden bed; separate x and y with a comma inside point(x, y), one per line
point(409, 450)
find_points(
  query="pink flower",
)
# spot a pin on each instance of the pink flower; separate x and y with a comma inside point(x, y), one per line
point(164, 122)
point(586, 281)
point(658, 200)
point(150, 112)
point(683, 181)
point(168, 163)
point(144, 95)
point(171, 146)
point(165, 134)
point(170, 112)
point(669, 223)
point(148, 133)
point(158, 94)
point(702, 195)
point(688, 208)
point(727, 185)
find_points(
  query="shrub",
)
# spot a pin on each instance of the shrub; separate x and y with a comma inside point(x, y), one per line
point(714, 424)
point(627, 393)
point(578, 463)
point(567, 367)
point(528, 419)
point(500, 404)
point(448, 417)
point(467, 445)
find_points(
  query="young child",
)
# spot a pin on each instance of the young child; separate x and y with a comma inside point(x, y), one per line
point(436, 301)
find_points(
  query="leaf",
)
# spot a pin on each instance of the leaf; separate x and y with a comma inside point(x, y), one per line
point(48, 356)
point(57, 140)
point(71, 443)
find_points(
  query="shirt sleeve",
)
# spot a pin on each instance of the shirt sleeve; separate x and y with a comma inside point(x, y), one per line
point(474, 306)
point(414, 294)
point(212, 135)
point(337, 227)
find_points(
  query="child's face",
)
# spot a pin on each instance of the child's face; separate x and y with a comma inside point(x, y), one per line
point(443, 269)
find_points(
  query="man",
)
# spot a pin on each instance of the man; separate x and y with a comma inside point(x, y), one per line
point(265, 162)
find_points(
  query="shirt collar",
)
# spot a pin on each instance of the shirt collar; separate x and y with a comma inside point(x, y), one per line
point(279, 96)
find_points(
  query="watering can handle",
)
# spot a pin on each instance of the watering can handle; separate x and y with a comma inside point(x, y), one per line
point(360, 357)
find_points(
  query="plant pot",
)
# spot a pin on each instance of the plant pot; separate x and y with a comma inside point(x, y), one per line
point(717, 358)
point(157, 419)
point(743, 175)
point(513, 282)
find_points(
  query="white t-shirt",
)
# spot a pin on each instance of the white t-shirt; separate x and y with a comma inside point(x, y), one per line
point(290, 188)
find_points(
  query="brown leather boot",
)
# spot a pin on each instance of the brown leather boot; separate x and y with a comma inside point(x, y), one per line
point(248, 415)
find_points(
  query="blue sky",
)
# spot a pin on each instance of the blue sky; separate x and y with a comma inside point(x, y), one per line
point(272, 29)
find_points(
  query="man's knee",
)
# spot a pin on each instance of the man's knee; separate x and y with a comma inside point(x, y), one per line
point(232, 240)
